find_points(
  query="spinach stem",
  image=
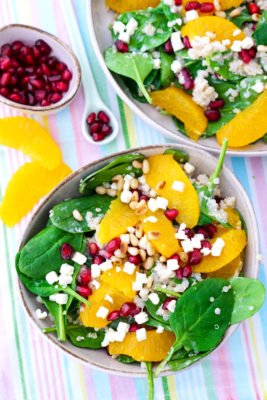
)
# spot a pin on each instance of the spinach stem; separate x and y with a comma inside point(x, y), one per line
point(219, 166)
point(176, 346)
point(74, 294)
point(141, 85)
point(150, 380)
point(61, 326)
point(52, 329)
point(167, 291)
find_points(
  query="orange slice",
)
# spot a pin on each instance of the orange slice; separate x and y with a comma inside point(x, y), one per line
point(28, 136)
point(223, 28)
point(116, 221)
point(163, 168)
point(228, 271)
point(227, 4)
point(247, 126)
point(153, 349)
point(120, 280)
point(121, 6)
point(181, 105)
point(27, 186)
point(235, 241)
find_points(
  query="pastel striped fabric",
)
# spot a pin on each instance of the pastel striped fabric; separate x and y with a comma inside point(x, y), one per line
point(33, 369)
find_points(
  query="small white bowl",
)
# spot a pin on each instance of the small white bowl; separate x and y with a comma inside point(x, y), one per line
point(29, 34)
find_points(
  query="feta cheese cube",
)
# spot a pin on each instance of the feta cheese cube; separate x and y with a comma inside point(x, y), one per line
point(171, 305)
point(95, 284)
point(236, 32)
point(102, 312)
point(205, 251)
point(41, 314)
point(79, 258)
point(156, 63)
point(247, 43)
point(191, 15)
point(189, 168)
point(123, 327)
point(141, 318)
point(236, 46)
point(105, 266)
point(152, 205)
point(160, 329)
point(162, 203)
point(187, 245)
point(129, 268)
point(154, 298)
point(51, 277)
point(176, 41)
point(172, 265)
point(95, 270)
point(124, 37)
point(141, 334)
point(59, 298)
point(178, 186)
point(217, 247)
point(176, 66)
point(118, 27)
point(131, 26)
point(66, 269)
point(65, 280)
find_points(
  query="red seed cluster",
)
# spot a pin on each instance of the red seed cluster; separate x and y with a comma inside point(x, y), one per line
point(30, 75)
point(99, 126)
point(213, 112)
point(247, 55)
point(206, 7)
point(253, 8)
point(186, 79)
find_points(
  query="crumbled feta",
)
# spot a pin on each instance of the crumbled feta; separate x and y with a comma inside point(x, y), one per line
point(59, 298)
point(172, 264)
point(131, 26)
point(92, 221)
point(217, 311)
point(176, 66)
point(141, 278)
point(236, 46)
point(109, 298)
point(51, 277)
point(178, 186)
point(118, 27)
point(124, 37)
point(217, 247)
point(125, 238)
point(66, 269)
point(141, 318)
point(151, 219)
point(171, 305)
point(41, 314)
point(205, 251)
point(141, 334)
point(149, 29)
point(187, 245)
point(65, 280)
point(176, 41)
point(95, 270)
point(247, 43)
point(160, 329)
point(95, 284)
point(191, 15)
point(237, 66)
point(156, 63)
point(154, 298)
point(123, 327)
point(129, 268)
point(258, 87)
point(102, 312)
point(106, 265)
point(196, 242)
point(155, 204)
point(181, 232)
point(79, 258)
point(189, 168)
point(174, 22)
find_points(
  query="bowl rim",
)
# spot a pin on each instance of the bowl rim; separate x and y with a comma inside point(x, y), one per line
point(72, 55)
point(59, 345)
point(127, 99)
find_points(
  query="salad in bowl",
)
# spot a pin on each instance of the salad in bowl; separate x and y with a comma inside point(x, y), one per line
point(201, 63)
point(147, 265)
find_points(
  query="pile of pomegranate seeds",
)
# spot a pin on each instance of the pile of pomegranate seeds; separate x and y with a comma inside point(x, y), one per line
point(99, 126)
point(30, 75)
point(212, 113)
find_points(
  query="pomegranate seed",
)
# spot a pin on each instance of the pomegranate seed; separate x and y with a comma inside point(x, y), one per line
point(24, 50)
point(253, 8)
point(61, 66)
point(98, 260)
point(202, 231)
point(195, 257)
point(103, 117)
point(179, 273)
point(136, 260)
point(20, 71)
point(143, 197)
point(98, 137)
point(5, 79)
point(216, 104)
point(129, 309)
point(213, 115)
point(84, 291)
point(168, 47)
point(171, 214)
point(206, 7)
point(45, 69)
point(15, 97)
point(13, 81)
point(95, 127)
point(113, 315)
point(187, 81)
point(205, 244)
point(192, 5)
point(29, 60)
point(244, 55)
point(52, 62)
point(91, 118)
point(5, 63)
point(16, 46)
point(40, 94)
point(106, 129)
point(55, 97)
point(187, 271)
point(175, 257)
point(6, 50)
point(66, 251)
point(189, 233)
point(43, 46)
point(93, 249)
point(186, 42)
point(36, 52)
point(252, 52)
point(134, 327)
point(31, 99)
point(113, 245)
point(4, 92)
point(37, 83)
point(211, 229)
point(62, 86)
point(85, 276)
point(66, 75)
point(45, 103)
point(178, 2)
point(167, 302)
point(121, 46)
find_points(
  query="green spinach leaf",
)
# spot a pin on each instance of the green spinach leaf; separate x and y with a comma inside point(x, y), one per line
point(181, 363)
point(260, 34)
point(86, 337)
point(241, 19)
point(180, 156)
point(125, 359)
point(166, 74)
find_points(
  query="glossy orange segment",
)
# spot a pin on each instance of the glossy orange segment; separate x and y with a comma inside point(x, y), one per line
point(153, 349)
point(227, 4)
point(121, 6)
point(116, 221)
point(27, 186)
point(235, 242)
point(28, 136)
point(163, 168)
point(181, 105)
point(228, 271)
point(120, 280)
point(222, 28)
point(247, 126)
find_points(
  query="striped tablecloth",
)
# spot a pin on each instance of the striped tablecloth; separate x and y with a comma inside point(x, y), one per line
point(31, 368)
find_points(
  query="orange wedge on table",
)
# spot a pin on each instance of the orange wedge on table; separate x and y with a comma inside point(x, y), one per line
point(121, 6)
point(181, 105)
point(247, 126)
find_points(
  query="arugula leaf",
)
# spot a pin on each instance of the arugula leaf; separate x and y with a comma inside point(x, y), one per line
point(62, 217)
point(56, 310)
point(249, 297)
point(181, 363)
point(41, 254)
point(195, 323)
point(260, 34)
point(166, 74)
point(91, 339)
point(179, 155)
point(134, 66)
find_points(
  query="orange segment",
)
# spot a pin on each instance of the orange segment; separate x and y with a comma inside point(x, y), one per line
point(253, 119)
point(230, 270)
point(235, 241)
point(227, 4)
point(27, 186)
point(181, 105)
point(120, 280)
point(32, 139)
point(121, 6)
point(223, 28)
point(163, 168)
point(116, 221)
point(153, 349)
point(97, 299)
point(233, 218)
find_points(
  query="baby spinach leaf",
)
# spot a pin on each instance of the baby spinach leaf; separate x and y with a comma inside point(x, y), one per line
point(42, 253)
point(249, 295)
point(125, 359)
point(220, 65)
point(180, 156)
point(179, 364)
point(166, 74)
point(134, 66)
point(86, 337)
point(260, 34)
point(156, 323)
point(62, 217)
point(134, 91)
point(239, 20)
point(153, 308)
point(56, 310)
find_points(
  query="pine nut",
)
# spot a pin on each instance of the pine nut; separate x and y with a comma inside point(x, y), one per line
point(100, 190)
point(123, 247)
point(160, 185)
point(183, 257)
point(116, 178)
point(112, 192)
point(142, 254)
point(220, 14)
point(137, 164)
point(235, 13)
point(133, 240)
point(133, 205)
point(134, 184)
point(148, 264)
point(118, 253)
point(120, 184)
point(162, 259)
point(135, 196)
point(146, 167)
point(149, 282)
point(141, 210)
point(133, 251)
point(153, 235)
point(77, 215)
point(139, 231)
point(150, 249)
point(255, 17)
point(131, 229)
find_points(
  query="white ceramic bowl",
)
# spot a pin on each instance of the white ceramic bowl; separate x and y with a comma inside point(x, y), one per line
point(99, 20)
point(29, 34)
point(205, 163)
